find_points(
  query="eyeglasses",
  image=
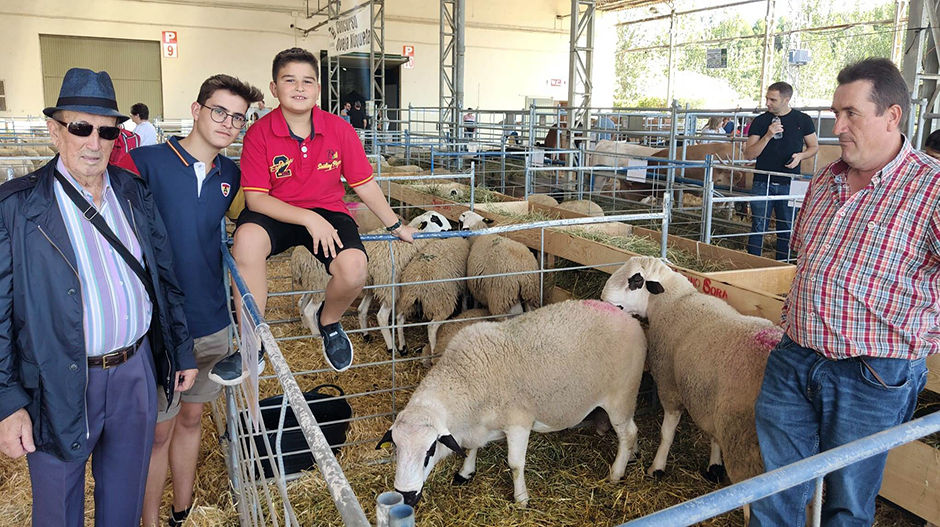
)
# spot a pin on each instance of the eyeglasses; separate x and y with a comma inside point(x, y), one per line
point(218, 115)
point(83, 129)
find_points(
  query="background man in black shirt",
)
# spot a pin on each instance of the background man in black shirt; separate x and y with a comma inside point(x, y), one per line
point(776, 139)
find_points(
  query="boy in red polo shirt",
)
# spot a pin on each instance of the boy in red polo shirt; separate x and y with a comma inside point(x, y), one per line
point(291, 165)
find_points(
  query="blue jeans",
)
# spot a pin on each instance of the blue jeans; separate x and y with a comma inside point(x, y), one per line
point(809, 404)
point(760, 213)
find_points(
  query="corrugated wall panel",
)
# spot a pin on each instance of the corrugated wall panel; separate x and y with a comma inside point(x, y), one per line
point(134, 67)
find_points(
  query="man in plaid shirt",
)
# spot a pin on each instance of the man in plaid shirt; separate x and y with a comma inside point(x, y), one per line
point(862, 314)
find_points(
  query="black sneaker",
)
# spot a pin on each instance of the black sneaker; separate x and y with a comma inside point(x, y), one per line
point(337, 349)
point(178, 519)
point(229, 372)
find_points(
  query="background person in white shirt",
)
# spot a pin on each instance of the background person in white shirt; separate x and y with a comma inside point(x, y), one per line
point(140, 114)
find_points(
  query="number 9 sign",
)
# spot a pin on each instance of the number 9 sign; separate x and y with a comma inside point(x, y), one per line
point(170, 45)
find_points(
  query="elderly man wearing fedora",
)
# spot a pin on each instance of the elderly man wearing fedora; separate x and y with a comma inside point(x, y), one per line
point(91, 317)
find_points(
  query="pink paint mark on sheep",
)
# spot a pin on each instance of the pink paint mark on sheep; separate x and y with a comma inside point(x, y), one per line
point(603, 306)
point(768, 338)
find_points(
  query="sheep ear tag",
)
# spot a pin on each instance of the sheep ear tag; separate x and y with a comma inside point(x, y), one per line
point(451, 443)
point(387, 438)
point(635, 282)
point(654, 287)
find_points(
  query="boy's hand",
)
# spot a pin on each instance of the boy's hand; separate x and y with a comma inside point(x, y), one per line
point(404, 233)
point(324, 235)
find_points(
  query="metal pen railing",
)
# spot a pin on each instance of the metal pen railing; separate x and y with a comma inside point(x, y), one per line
point(810, 469)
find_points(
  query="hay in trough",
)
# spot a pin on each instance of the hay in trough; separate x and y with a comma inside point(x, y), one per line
point(649, 247)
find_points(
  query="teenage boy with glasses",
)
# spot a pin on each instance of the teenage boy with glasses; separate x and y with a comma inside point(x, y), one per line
point(193, 186)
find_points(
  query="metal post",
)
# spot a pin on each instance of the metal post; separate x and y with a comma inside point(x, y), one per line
point(897, 43)
point(473, 184)
point(912, 62)
point(377, 57)
point(921, 107)
point(452, 51)
point(765, 60)
point(333, 98)
point(667, 210)
point(817, 503)
point(580, 68)
point(502, 164)
point(673, 133)
point(401, 516)
point(531, 126)
point(459, 54)
point(672, 55)
point(384, 504)
point(707, 207)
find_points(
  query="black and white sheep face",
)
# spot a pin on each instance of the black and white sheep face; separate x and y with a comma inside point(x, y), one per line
point(418, 449)
point(470, 221)
point(631, 286)
point(431, 222)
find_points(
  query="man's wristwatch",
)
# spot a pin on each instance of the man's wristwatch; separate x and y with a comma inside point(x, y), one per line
point(395, 227)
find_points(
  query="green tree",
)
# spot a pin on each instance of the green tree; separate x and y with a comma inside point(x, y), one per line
point(829, 49)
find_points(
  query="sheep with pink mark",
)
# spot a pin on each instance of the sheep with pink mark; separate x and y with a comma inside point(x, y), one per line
point(714, 374)
point(541, 371)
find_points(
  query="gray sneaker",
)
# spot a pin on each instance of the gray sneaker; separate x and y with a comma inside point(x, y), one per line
point(337, 347)
point(229, 372)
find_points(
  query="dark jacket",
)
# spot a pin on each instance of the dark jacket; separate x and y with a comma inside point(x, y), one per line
point(43, 366)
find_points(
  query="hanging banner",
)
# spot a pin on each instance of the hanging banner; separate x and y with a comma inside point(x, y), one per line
point(352, 32)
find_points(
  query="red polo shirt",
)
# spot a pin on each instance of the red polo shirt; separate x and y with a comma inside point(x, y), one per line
point(304, 174)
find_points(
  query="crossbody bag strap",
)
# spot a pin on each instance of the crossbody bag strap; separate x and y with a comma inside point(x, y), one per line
point(91, 214)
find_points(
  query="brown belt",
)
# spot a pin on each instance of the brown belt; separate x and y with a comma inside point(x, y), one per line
point(115, 358)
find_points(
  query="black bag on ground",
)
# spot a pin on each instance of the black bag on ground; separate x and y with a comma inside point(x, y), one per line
point(296, 452)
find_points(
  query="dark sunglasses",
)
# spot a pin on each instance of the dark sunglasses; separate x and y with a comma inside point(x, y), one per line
point(83, 129)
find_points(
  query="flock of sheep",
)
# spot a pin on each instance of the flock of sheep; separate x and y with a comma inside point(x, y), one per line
point(12, 163)
point(439, 275)
point(550, 368)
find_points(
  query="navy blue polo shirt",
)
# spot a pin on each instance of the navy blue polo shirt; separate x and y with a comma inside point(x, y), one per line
point(193, 224)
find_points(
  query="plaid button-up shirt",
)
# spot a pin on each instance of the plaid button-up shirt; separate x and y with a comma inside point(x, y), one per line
point(868, 273)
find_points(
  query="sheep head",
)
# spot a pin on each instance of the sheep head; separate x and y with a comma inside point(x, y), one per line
point(431, 222)
point(471, 221)
point(416, 442)
point(631, 286)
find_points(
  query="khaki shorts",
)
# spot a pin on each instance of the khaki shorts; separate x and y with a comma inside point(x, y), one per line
point(208, 350)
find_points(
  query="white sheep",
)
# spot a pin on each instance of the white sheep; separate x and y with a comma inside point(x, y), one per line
point(381, 271)
point(445, 189)
point(450, 328)
point(442, 259)
point(543, 371)
point(704, 356)
point(543, 199)
point(582, 206)
point(494, 254)
point(310, 275)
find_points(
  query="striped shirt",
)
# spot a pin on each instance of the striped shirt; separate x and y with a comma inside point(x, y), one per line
point(115, 307)
point(868, 273)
